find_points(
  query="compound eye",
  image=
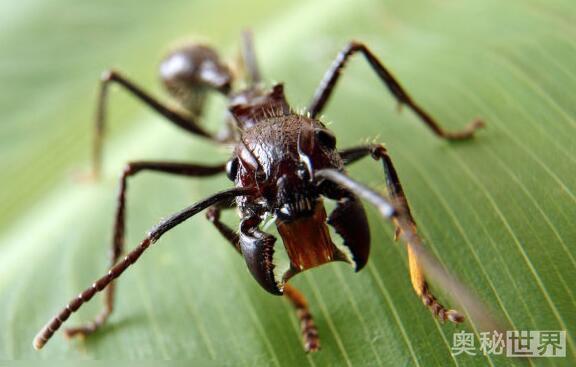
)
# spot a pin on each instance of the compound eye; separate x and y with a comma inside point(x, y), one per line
point(232, 168)
point(260, 175)
point(326, 138)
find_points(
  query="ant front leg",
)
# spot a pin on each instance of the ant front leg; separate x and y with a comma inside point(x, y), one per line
point(398, 212)
point(328, 83)
point(179, 118)
point(213, 215)
point(184, 169)
point(307, 327)
point(395, 190)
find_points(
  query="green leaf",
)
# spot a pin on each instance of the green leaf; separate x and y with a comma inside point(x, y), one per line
point(498, 210)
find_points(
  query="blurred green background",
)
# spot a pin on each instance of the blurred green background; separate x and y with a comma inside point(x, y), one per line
point(498, 211)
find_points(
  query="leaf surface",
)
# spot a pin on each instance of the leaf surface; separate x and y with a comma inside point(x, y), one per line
point(498, 211)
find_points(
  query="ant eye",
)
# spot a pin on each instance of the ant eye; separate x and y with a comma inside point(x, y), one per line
point(260, 175)
point(232, 169)
point(326, 138)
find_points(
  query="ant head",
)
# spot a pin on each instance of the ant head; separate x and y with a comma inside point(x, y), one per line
point(192, 70)
point(280, 159)
point(296, 190)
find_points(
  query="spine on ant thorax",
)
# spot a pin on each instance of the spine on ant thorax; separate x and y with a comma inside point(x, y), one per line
point(251, 106)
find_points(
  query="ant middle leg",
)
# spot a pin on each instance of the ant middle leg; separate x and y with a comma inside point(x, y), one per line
point(328, 84)
point(405, 222)
point(180, 118)
point(308, 329)
point(132, 168)
point(152, 237)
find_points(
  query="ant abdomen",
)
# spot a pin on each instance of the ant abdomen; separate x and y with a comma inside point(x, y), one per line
point(190, 71)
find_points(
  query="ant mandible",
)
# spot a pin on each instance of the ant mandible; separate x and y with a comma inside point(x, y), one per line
point(283, 164)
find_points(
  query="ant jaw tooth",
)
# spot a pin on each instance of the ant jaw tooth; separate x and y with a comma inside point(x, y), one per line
point(298, 206)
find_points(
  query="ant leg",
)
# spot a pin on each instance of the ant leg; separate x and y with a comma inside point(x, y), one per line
point(249, 59)
point(307, 327)
point(131, 169)
point(398, 212)
point(178, 118)
point(154, 235)
point(396, 192)
point(213, 215)
point(297, 299)
point(328, 83)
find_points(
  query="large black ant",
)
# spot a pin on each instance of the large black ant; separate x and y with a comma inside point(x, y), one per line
point(283, 165)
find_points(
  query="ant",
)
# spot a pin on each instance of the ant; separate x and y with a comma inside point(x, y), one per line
point(283, 165)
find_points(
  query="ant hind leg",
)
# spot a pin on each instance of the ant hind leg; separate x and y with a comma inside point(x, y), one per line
point(249, 59)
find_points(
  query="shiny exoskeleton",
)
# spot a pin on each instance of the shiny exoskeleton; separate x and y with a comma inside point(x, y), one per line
point(284, 166)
